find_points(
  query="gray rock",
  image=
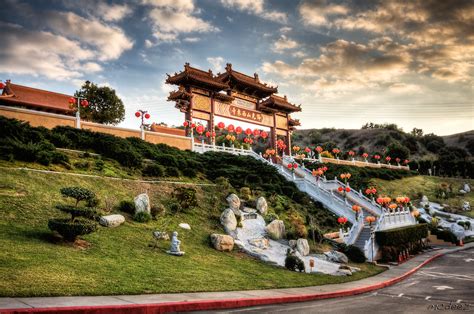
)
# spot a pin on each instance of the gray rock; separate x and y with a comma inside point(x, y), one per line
point(302, 246)
point(248, 210)
point(344, 272)
point(458, 231)
point(262, 205)
point(234, 203)
point(292, 244)
point(228, 220)
point(185, 226)
point(337, 257)
point(222, 242)
point(142, 203)
point(424, 201)
point(276, 229)
point(161, 235)
point(466, 188)
point(111, 220)
point(466, 206)
point(462, 192)
point(261, 243)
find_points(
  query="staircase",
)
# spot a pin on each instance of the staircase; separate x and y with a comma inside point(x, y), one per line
point(326, 192)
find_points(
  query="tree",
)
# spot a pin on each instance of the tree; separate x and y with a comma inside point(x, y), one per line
point(417, 132)
point(104, 105)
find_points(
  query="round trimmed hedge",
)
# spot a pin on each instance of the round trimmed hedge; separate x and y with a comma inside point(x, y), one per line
point(71, 229)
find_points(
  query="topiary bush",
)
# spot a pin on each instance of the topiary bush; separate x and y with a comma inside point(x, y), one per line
point(186, 197)
point(142, 217)
point(71, 229)
point(172, 172)
point(355, 254)
point(75, 212)
point(293, 262)
point(127, 207)
point(77, 193)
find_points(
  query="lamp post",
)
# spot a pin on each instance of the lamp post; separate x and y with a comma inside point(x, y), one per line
point(78, 101)
point(143, 114)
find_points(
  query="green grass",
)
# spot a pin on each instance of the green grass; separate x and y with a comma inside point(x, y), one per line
point(416, 186)
point(120, 260)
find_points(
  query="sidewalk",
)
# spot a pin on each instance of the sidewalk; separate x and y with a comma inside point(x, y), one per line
point(159, 303)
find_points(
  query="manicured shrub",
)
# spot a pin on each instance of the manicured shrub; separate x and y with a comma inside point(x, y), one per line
point(270, 217)
point(77, 193)
point(127, 207)
point(71, 229)
point(445, 235)
point(355, 254)
point(394, 241)
point(157, 210)
point(172, 172)
point(186, 197)
point(245, 193)
point(293, 262)
point(190, 172)
point(142, 217)
point(75, 211)
point(153, 170)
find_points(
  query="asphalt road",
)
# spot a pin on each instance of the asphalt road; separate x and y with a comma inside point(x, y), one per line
point(444, 285)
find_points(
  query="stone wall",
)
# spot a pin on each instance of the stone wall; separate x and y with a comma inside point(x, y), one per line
point(165, 135)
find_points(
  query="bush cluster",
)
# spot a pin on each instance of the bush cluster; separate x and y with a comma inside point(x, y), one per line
point(394, 241)
point(293, 262)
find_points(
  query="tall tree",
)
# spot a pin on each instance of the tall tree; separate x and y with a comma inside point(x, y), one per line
point(104, 105)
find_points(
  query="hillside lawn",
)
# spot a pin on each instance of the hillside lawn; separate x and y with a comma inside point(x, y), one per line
point(122, 260)
point(416, 186)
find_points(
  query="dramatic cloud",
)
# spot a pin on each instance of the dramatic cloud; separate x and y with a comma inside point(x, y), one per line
point(111, 41)
point(317, 13)
point(113, 12)
point(284, 43)
point(217, 63)
point(256, 7)
point(171, 18)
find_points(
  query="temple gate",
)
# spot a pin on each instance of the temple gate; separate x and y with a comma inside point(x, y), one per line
point(234, 95)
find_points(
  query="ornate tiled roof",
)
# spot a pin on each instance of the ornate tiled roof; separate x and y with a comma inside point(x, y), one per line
point(181, 93)
point(33, 98)
point(231, 77)
point(197, 77)
point(275, 102)
point(223, 97)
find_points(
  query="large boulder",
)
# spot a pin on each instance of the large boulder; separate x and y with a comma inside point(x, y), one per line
point(228, 220)
point(466, 187)
point(234, 203)
point(337, 257)
point(262, 205)
point(276, 229)
point(302, 246)
point(261, 243)
point(222, 242)
point(111, 220)
point(142, 203)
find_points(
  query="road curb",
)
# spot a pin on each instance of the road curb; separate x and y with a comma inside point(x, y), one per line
point(203, 305)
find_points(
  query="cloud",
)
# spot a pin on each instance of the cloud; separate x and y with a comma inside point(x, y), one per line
point(216, 63)
point(284, 43)
point(171, 18)
point(43, 53)
point(109, 40)
point(192, 39)
point(318, 13)
point(112, 12)
point(437, 35)
point(256, 7)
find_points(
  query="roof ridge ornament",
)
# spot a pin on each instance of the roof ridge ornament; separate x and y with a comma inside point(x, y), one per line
point(228, 67)
point(255, 75)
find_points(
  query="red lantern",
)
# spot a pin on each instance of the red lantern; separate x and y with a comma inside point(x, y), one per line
point(238, 130)
point(348, 189)
point(248, 131)
point(377, 157)
point(340, 189)
point(325, 168)
point(351, 153)
point(84, 103)
point(2, 86)
point(356, 208)
point(208, 134)
point(221, 125)
point(185, 124)
point(193, 125)
point(307, 150)
point(264, 134)
point(406, 161)
point(72, 100)
point(290, 166)
point(256, 132)
point(368, 191)
point(138, 114)
point(230, 128)
point(374, 190)
point(319, 149)
point(365, 155)
point(342, 220)
point(388, 158)
point(295, 165)
point(200, 129)
point(213, 134)
point(397, 160)
point(147, 116)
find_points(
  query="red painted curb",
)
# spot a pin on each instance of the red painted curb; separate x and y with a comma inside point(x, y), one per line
point(202, 305)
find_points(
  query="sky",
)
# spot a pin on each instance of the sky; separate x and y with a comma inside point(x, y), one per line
point(346, 62)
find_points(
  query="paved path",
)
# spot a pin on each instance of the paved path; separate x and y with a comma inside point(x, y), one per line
point(149, 299)
point(446, 284)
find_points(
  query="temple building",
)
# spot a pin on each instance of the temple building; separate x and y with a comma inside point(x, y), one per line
point(234, 95)
point(37, 99)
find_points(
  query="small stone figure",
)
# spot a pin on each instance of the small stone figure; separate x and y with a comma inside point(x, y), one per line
point(174, 249)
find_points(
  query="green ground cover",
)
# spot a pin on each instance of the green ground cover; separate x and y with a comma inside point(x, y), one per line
point(123, 260)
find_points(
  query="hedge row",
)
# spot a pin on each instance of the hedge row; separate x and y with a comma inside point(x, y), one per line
point(396, 241)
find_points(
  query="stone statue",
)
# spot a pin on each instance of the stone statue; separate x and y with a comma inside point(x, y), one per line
point(174, 249)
